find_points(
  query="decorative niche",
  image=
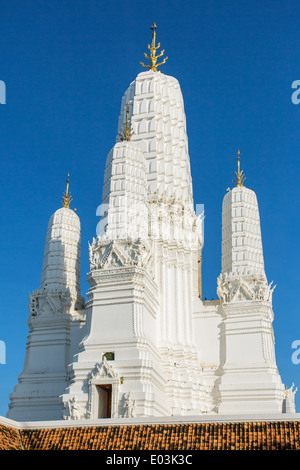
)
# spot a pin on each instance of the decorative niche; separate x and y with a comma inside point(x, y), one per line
point(110, 356)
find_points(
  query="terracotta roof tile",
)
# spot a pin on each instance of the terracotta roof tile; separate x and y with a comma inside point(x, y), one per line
point(201, 436)
point(9, 439)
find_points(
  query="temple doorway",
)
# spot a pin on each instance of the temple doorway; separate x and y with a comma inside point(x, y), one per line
point(104, 400)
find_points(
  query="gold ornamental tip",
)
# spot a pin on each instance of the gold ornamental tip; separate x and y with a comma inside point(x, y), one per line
point(240, 177)
point(127, 131)
point(153, 48)
point(67, 198)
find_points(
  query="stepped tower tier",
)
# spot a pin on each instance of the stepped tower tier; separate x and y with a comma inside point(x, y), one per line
point(61, 265)
point(124, 208)
point(56, 318)
point(242, 251)
point(159, 125)
point(249, 380)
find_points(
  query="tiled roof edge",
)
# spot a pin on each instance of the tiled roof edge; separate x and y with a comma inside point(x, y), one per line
point(10, 423)
point(150, 420)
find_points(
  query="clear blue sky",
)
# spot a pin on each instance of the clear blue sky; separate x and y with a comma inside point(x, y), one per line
point(66, 65)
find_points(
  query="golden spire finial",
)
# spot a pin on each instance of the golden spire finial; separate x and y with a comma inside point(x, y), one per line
point(126, 132)
point(239, 174)
point(67, 198)
point(153, 58)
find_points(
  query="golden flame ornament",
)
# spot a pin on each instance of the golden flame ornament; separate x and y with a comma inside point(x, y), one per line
point(67, 198)
point(240, 177)
point(153, 48)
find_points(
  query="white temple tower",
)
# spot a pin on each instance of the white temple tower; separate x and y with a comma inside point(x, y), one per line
point(55, 322)
point(146, 344)
point(144, 266)
point(249, 381)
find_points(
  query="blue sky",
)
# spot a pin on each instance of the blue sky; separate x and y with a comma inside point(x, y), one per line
point(66, 65)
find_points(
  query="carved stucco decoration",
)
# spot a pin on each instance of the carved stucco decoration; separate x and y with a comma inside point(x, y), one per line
point(73, 410)
point(49, 301)
point(103, 370)
point(107, 254)
point(128, 405)
point(236, 288)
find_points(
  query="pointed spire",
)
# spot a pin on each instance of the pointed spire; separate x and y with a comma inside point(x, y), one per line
point(153, 48)
point(67, 198)
point(239, 174)
point(126, 132)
